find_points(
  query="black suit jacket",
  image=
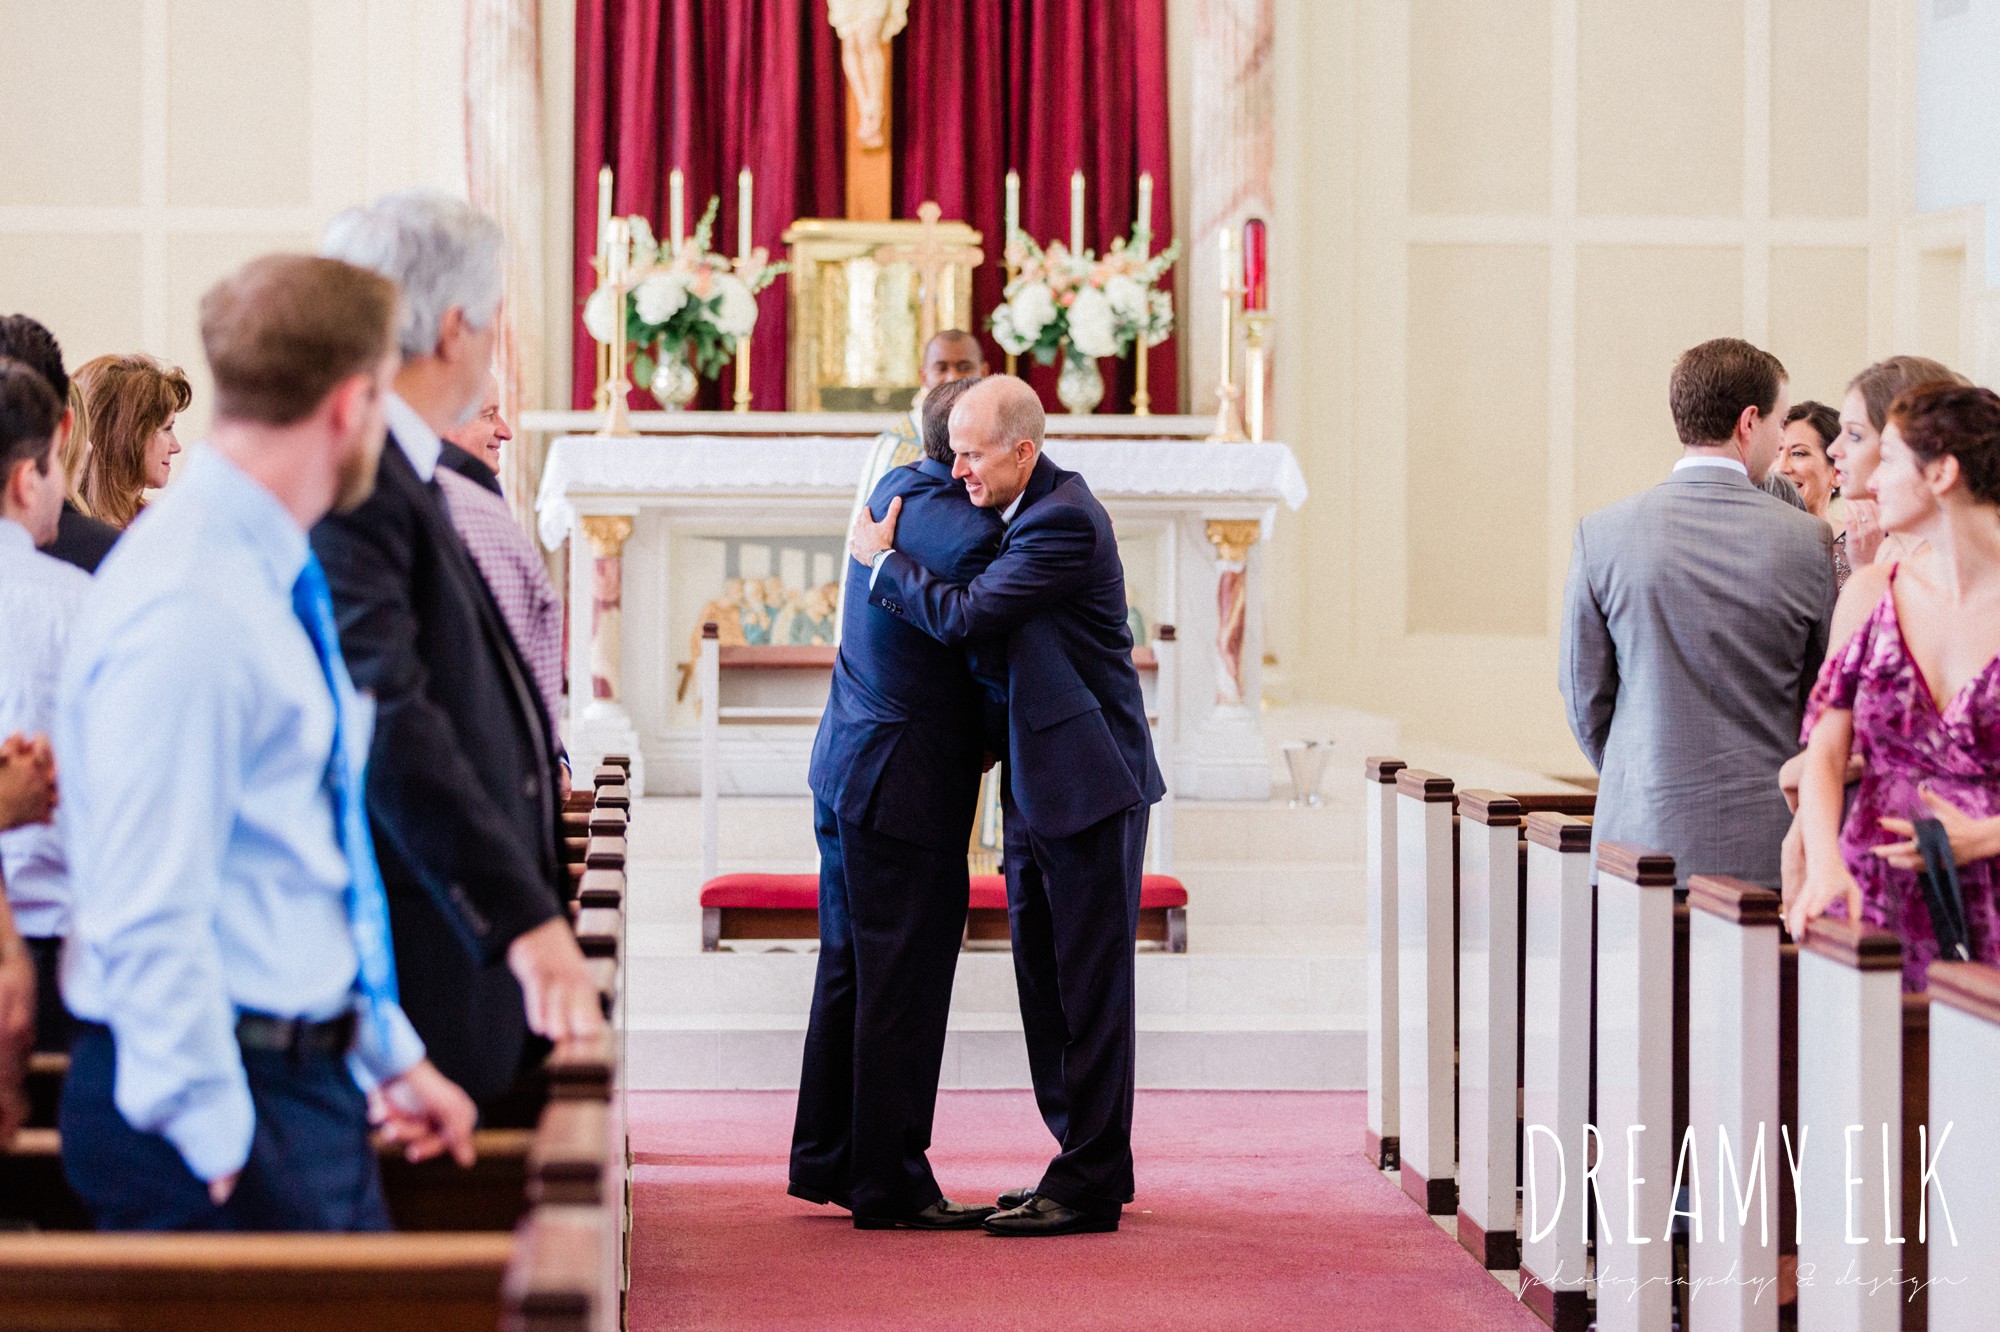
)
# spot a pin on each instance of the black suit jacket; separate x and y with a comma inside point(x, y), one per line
point(81, 540)
point(898, 750)
point(467, 466)
point(461, 787)
point(1078, 750)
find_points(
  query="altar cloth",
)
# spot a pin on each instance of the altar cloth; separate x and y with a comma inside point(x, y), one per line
point(829, 465)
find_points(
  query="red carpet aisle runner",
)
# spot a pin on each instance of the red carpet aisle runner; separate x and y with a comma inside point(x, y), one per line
point(1255, 1211)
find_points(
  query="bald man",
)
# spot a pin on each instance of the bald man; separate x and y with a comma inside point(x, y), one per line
point(950, 355)
point(1080, 782)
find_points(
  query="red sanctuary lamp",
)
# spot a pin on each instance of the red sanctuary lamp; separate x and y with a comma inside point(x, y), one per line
point(1256, 317)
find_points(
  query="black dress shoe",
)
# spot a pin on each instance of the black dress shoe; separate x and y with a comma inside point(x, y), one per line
point(1013, 1198)
point(944, 1214)
point(1046, 1216)
point(812, 1195)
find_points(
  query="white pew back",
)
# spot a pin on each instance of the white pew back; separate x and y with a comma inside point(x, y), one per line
point(1381, 1145)
point(1426, 1001)
point(1489, 995)
point(1962, 1211)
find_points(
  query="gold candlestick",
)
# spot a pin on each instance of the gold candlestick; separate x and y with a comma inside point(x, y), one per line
point(1142, 401)
point(1254, 324)
point(600, 399)
point(618, 262)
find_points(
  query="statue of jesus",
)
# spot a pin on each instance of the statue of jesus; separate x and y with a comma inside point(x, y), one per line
point(865, 28)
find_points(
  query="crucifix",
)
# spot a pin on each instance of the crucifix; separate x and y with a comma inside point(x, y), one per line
point(866, 28)
point(930, 258)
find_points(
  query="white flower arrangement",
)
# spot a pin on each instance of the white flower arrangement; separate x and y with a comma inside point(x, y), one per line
point(1099, 306)
point(691, 297)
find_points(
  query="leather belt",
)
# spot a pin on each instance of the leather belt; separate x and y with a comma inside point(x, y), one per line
point(295, 1036)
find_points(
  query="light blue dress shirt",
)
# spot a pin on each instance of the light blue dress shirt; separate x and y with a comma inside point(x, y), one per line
point(194, 732)
point(38, 599)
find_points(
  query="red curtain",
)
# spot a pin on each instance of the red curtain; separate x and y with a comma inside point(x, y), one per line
point(709, 86)
point(1045, 87)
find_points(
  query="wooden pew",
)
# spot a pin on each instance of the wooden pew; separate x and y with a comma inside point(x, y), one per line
point(1962, 1211)
point(1635, 1087)
point(1734, 1096)
point(1556, 978)
point(1425, 1001)
point(1489, 989)
point(560, 1268)
point(1380, 1142)
point(1851, 1027)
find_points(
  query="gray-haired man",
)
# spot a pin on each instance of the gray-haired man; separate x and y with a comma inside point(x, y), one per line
point(462, 781)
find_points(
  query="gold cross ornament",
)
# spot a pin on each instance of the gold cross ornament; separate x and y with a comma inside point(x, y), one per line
point(930, 259)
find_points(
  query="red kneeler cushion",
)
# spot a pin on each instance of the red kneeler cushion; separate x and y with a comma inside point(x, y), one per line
point(798, 892)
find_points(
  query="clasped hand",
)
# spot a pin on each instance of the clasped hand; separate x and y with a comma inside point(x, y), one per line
point(870, 538)
point(1971, 838)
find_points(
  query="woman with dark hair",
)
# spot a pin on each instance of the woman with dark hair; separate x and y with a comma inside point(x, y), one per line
point(1916, 690)
point(1810, 429)
point(132, 402)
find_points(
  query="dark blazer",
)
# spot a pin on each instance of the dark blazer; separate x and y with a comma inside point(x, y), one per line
point(467, 466)
point(1078, 750)
point(899, 692)
point(81, 540)
point(461, 787)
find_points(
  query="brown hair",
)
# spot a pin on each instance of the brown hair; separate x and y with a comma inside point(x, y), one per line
point(937, 416)
point(129, 399)
point(284, 330)
point(1942, 417)
point(1881, 382)
point(29, 412)
point(1824, 421)
point(1714, 382)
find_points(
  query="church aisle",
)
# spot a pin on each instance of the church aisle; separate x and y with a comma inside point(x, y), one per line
point(1255, 1211)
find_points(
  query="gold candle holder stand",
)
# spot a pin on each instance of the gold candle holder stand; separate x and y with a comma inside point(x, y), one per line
point(618, 411)
point(1255, 322)
point(1142, 401)
point(742, 400)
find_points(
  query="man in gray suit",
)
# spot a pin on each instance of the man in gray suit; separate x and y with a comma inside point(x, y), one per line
point(1694, 623)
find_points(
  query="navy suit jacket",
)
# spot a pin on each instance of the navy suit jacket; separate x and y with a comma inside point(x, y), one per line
point(1078, 750)
point(900, 744)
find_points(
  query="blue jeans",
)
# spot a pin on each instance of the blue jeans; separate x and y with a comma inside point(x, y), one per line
point(311, 1164)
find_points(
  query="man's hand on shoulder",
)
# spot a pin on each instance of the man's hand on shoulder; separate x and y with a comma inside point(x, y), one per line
point(871, 538)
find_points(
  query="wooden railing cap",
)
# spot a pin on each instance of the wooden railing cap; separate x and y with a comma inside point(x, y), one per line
point(1380, 769)
point(1853, 944)
point(1579, 803)
point(1970, 987)
point(1425, 786)
point(1734, 900)
point(1636, 864)
point(1492, 808)
point(1559, 832)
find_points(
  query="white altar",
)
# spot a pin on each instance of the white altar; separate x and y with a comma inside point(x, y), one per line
point(658, 523)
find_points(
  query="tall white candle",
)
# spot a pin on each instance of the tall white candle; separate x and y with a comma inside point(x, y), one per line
point(1013, 205)
point(1225, 262)
point(676, 207)
point(621, 251)
point(1143, 227)
point(603, 209)
point(743, 213)
point(1076, 210)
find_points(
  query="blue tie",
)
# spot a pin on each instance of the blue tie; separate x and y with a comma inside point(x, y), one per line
point(367, 904)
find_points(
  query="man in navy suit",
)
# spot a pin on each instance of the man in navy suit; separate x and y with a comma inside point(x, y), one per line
point(895, 778)
point(1081, 781)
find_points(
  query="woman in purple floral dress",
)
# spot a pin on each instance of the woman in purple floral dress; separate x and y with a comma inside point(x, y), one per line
point(1916, 690)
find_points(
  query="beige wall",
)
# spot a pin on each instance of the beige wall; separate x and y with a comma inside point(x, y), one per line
point(153, 145)
point(1505, 221)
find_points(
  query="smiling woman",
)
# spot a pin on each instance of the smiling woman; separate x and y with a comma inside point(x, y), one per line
point(131, 403)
